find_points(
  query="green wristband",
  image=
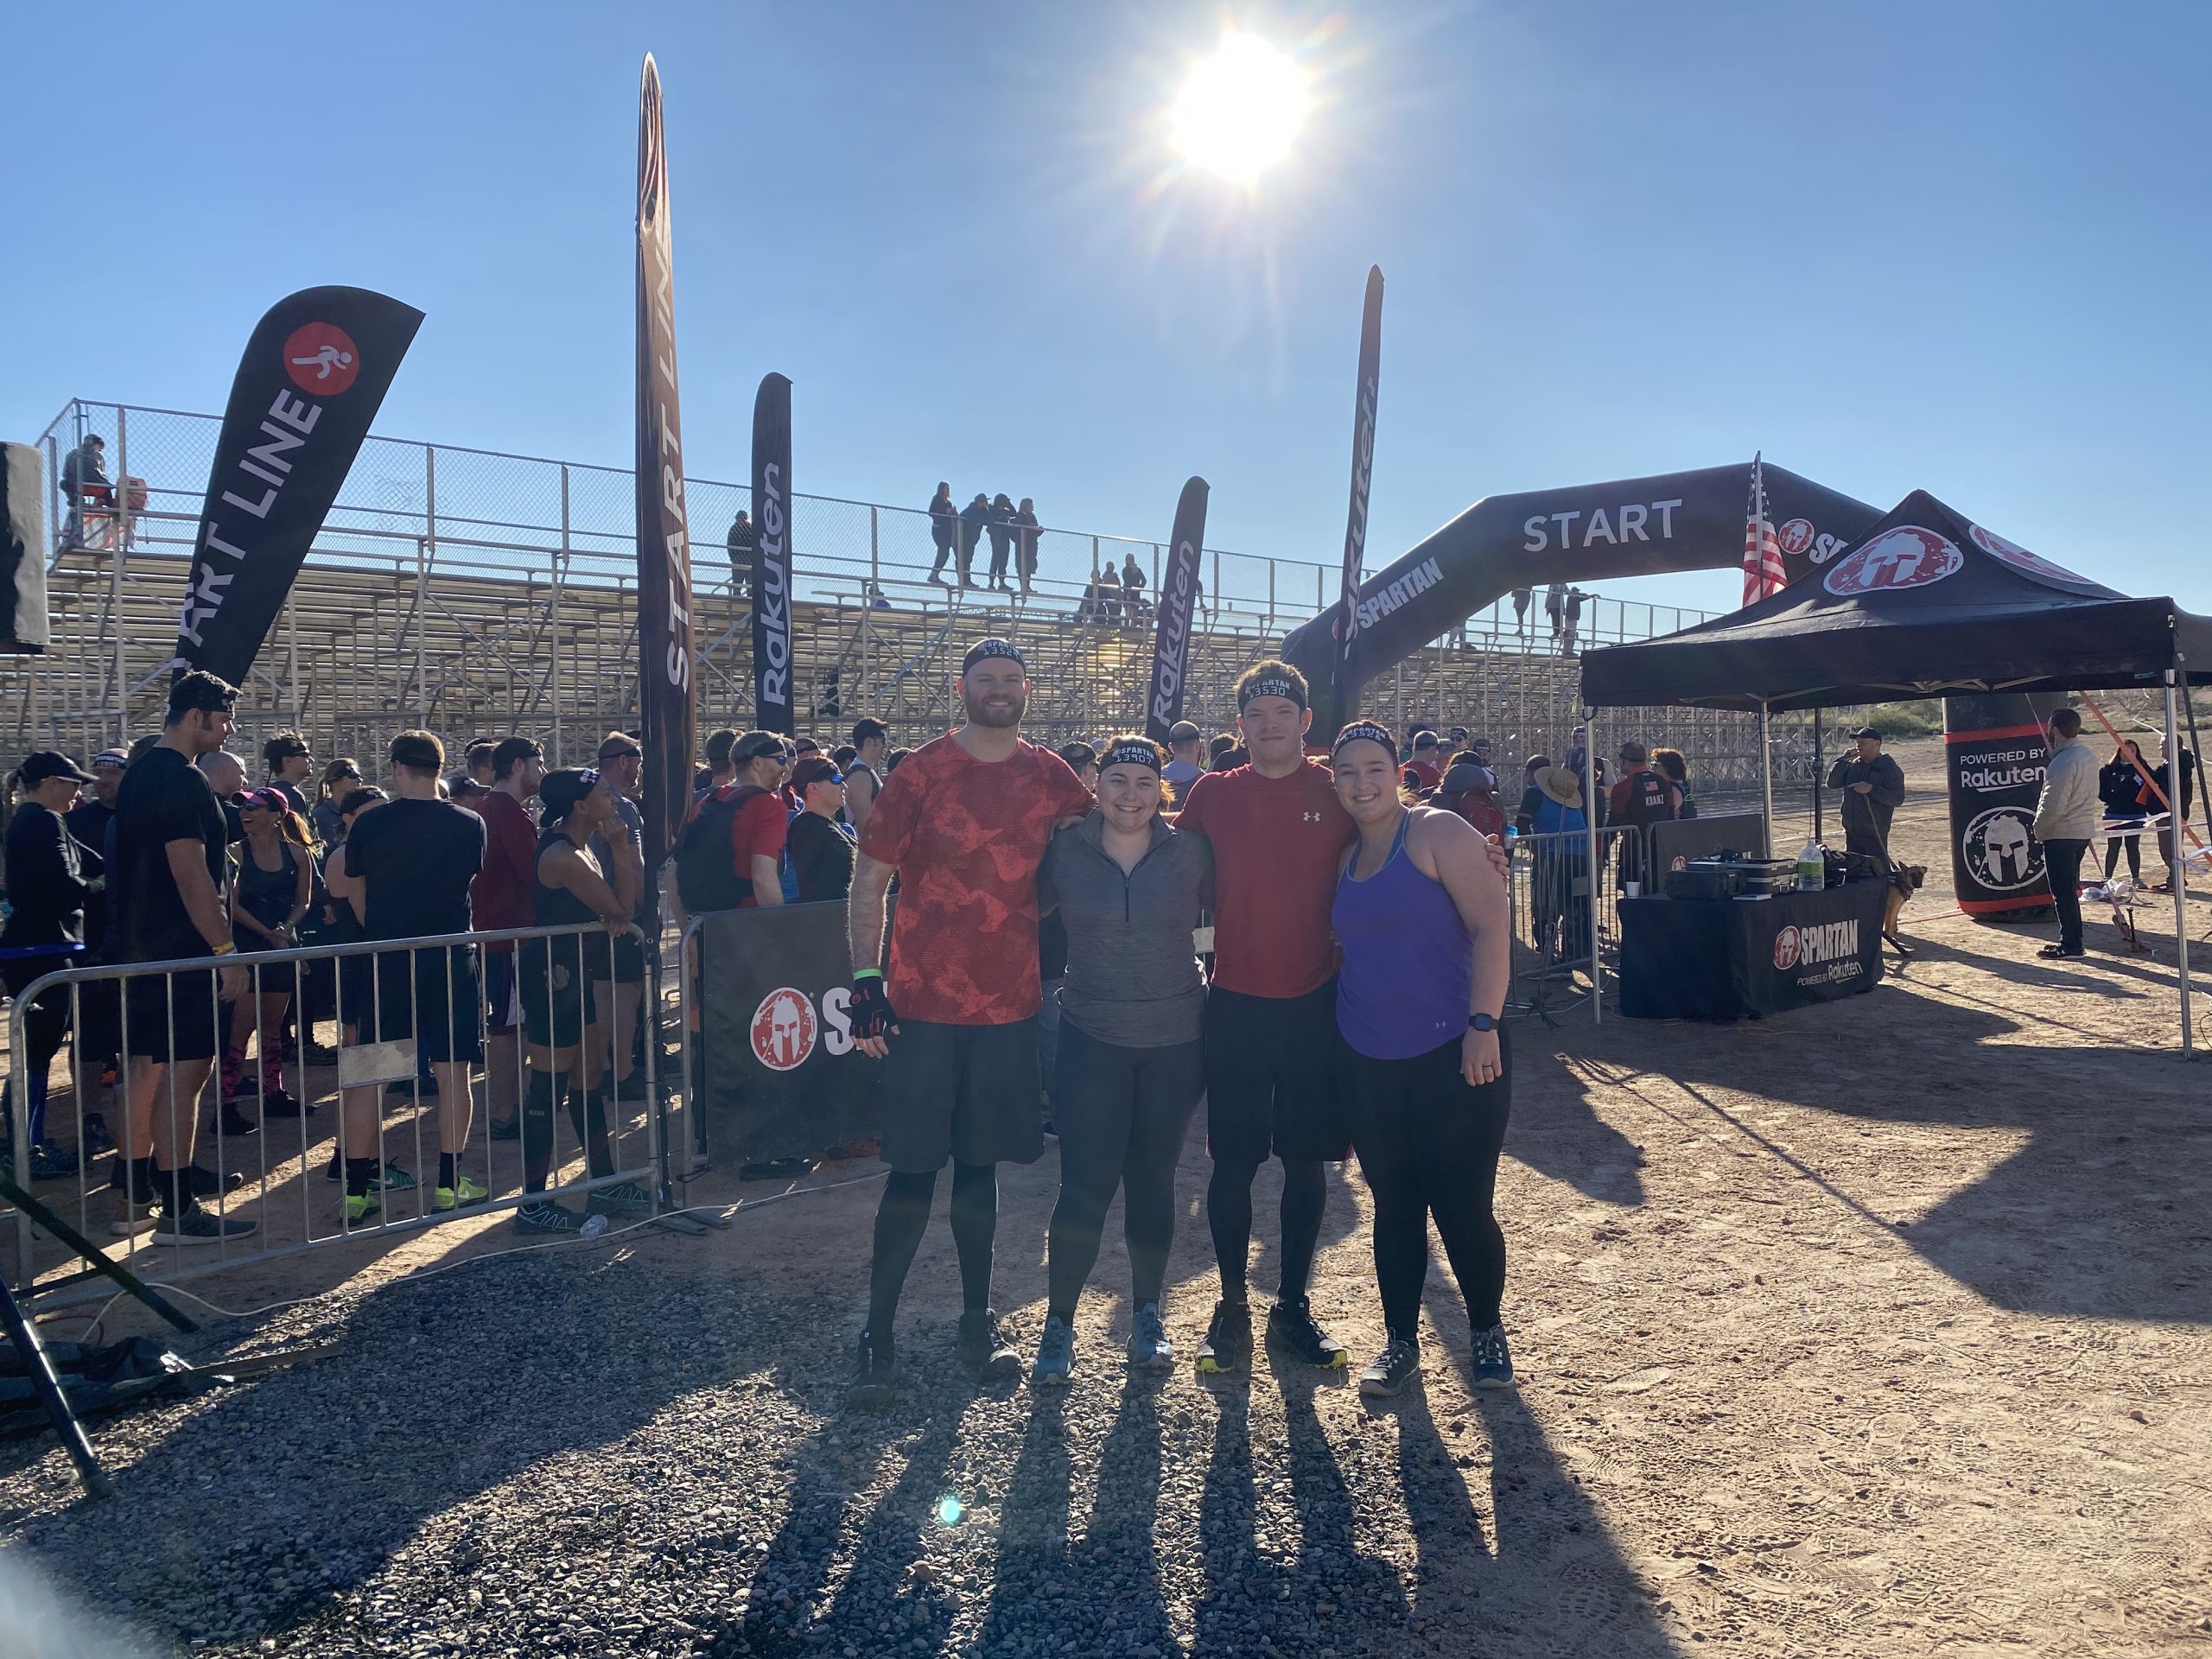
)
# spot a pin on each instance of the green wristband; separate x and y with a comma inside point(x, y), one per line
point(868, 973)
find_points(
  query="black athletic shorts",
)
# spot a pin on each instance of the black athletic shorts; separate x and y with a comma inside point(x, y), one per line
point(968, 1092)
point(172, 1017)
point(556, 999)
point(499, 988)
point(1272, 1079)
point(445, 1011)
point(100, 1012)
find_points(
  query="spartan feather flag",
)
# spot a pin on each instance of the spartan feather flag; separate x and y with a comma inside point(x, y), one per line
point(1363, 466)
point(1179, 598)
point(771, 556)
point(315, 373)
point(665, 691)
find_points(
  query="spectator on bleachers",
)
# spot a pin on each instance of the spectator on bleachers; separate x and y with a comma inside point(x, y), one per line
point(973, 518)
point(742, 543)
point(1133, 602)
point(1026, 532)
point(998, 524)
point(944, 529)
point(84, 473)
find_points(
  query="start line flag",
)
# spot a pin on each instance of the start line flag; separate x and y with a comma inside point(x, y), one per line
point(1764, 576)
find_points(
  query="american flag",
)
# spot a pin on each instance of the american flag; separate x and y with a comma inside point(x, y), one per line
point(1764, 576)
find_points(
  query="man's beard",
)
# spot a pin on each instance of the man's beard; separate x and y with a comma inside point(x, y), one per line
point(980, 714)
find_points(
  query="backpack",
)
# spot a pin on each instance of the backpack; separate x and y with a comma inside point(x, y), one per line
point(707, 876)
point(1480, 807)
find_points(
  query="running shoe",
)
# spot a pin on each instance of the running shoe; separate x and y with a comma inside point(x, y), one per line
point(1228, 1347)
point(279, 1103)
point(233, 1122)
point(1493, 1367)
point(358, 1207)
point(1389, 1371)
point(510, 1130)
point(132, 1211)
point(548, 1219)
point(49, 1162)
point(1055, 1354)
point(463, 1191)
point(393, 1180)
point(623, 1200)
point(875, 1376)
point(1290, 1324)
point(205, 1183)
point(984, 1348)
point(193, 1226)
point(1149, 1348)
point(97, 1138)
point(631, 1090)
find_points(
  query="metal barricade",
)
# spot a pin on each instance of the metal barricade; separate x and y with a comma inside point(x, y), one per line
point(548, 1017)
point(1560, 963)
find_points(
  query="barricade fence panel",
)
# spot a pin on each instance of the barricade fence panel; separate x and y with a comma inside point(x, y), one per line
point(1558, 961)
point(298, 1098)
point(475, 592)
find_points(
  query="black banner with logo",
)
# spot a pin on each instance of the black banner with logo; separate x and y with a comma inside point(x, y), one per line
point(771, 556)
point(1733, 959)
point(1341, 687)
point(315, 373)
point(664, 633)
point(1179, 598)
point(782, 1076)
point(1994, 753)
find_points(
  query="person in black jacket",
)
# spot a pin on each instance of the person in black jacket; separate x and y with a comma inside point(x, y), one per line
point(998, 524)
point(974, 518)
point(1026, 532)
point(2180, 800)
point(945, 530)
point(46, 891)
point(2119, 783)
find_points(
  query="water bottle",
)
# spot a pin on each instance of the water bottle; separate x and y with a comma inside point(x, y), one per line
point(593, 1227)
point(1812, 866)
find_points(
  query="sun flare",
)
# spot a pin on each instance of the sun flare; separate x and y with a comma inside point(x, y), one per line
point(1241, 109)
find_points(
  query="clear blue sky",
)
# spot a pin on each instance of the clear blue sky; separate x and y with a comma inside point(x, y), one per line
point(1963, 246)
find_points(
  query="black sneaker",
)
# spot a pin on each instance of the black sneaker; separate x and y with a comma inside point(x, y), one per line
point(193, 1226)
point(205, 1183)
point(97, 1138)
point(875, 1376)
point(279, 1104)
point(1389, 1371)
point(546, 1219)
point(1290, 1324)
point(986, 1350)
point(1228, 1347)
point(1493, 1366)
point(232, 1124)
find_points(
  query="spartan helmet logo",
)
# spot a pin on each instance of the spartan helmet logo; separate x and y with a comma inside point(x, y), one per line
point(1998, 851)
point(782, 1029)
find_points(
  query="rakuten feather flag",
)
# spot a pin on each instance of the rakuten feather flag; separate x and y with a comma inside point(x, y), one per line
point(664, 693)
point(1178, 595)
point(315, 373)
point(771, 556)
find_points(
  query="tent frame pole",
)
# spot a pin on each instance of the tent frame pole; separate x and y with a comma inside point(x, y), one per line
point(1817, 757)
point(1590, 799)
point(2176, 817)
point(1766, 775)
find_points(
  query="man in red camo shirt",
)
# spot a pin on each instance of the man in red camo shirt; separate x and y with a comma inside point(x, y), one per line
point(504, 894)
point(964, 820)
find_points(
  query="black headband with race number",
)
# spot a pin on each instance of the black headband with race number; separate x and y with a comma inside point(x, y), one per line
point(1271, 685)
point(1130, 754)
point(983, 650)
point(1372, 732)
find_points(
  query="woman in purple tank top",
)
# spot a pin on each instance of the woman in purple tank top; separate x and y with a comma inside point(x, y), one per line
point(1421, 912)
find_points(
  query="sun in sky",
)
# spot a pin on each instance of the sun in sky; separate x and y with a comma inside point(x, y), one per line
point(1241, 109)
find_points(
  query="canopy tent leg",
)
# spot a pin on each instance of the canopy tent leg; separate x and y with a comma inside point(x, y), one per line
point(1766, 777)
point(2178, 819)
point(1590, 798)
point(1816, 774)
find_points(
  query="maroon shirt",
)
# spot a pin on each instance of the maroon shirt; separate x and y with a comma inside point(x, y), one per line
point(502, 895)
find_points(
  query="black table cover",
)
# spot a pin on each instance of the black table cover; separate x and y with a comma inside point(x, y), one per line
point(1727, 958)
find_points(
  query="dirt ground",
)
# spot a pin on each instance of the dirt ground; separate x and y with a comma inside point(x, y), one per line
point(1884, 1328)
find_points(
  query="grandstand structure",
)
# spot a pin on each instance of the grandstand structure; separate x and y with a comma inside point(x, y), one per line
point(472, 593)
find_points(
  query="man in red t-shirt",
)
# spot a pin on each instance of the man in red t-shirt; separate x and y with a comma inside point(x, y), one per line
point(504, 894)
point(964, 820)
point(1423, 770)
point(756, 834)
point(1278, 837)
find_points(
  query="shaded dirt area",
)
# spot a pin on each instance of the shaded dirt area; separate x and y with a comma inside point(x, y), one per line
point(1884, 1328)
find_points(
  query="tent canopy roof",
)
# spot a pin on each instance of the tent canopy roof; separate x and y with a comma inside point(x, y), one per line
point(1925, 604)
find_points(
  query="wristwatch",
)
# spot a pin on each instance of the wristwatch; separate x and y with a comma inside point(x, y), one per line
point(1481, 1022)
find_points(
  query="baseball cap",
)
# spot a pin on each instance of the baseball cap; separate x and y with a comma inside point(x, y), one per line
point(44, 763)
point(115, 757)
point(1868, 731)
point(815, 769)
point(263, 800)
point(1182, 732)
point(1634, 752)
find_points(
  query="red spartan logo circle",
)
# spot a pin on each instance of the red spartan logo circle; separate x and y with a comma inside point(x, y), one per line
point(1795, 536)
point(1904, 555)
point(784, 1029)
point(322, 359)
point(1785, 950)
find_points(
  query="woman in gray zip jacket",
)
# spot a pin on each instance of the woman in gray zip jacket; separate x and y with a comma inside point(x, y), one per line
point(1130, 888)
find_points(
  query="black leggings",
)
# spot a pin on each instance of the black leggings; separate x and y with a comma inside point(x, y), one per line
point(904, 1216)
point(2134, 845)
point(46, 1025)
point(1228, 1214)
point(1122, 1114)
point(1428, 1146)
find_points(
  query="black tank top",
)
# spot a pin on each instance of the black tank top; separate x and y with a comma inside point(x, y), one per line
point(553, 906)
point(267, 895)
point(1647, 799)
